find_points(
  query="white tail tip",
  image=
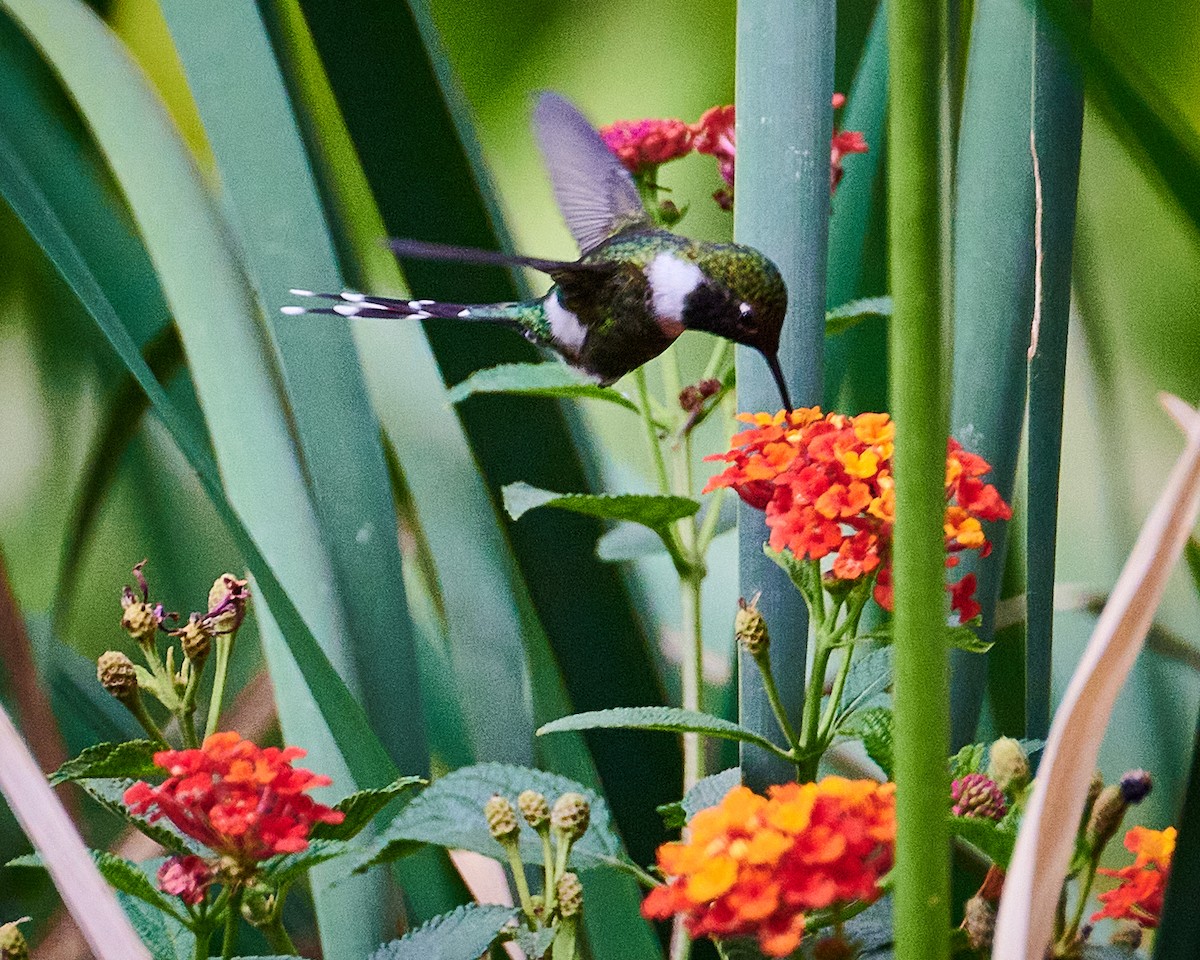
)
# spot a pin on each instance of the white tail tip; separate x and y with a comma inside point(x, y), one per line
point(292, 311)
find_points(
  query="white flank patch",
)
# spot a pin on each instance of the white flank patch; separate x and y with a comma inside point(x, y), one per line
point(565, 327)
point(292, 311)
point(671, 280)
point(301, 293)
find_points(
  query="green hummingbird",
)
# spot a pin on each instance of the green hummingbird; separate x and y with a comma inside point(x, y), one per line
point(634, 289)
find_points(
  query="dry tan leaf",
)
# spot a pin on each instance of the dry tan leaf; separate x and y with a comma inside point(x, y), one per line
point(44, 820)
point(1025, 923)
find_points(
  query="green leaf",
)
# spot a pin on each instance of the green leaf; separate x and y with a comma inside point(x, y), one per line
point(550, 379)
point(802, 573)
point(360, 809)
point(875, 728)
point(848, 315)
point(992, 838)
point(133, 759)
point(632, 541)
point(708, 792)
point(449, 813)
point(656, 511)
point(666, 719)
point(870, 675)
point(108, 792)
point(964, 637)
point(462, 934)
point(287, 868)
point(535, 943)
point(166, 937)
point(971, 758)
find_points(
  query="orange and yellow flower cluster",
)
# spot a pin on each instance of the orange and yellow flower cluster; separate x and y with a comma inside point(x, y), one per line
point(826, 485)
point(244, 802)
point(1143, 883)
point(753, 866)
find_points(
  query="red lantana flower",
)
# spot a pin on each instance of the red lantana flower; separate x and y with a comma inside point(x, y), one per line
point(826, 487)
point(753, 866)
point(185, 877)
point(1143, 883)
point(644, 144)
point(244, 802)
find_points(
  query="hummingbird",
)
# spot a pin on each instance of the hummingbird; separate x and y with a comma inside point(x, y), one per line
point(635, 287)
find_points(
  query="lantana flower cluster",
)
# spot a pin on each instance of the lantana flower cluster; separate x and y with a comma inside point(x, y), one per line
point(1140, 895)
point(244, 802)
point(826, 485)
point(754, 866)
point(643, 145)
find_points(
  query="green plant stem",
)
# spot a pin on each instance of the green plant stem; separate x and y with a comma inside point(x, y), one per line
point(549, 892)
point(233, 912)
point(708, 529)
point(1085, 891)
point(137, 706)
point(203, 934)
point(518, 871)
point(277, 937)
point(785, 725)
point(919, 228)
point(224, 645)
point(187, 708)
point(825, 730)
point(692, 674)
point(652, 439)
point(809, 751)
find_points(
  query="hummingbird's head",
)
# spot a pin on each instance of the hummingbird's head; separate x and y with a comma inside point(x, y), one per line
point(743, 299)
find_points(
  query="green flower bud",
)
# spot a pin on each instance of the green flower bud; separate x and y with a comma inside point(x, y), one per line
point(501, 819)
point(1107, 814)
point(571, 815)
point(259, 905)
point(117, 675)
point(570, 895)
point(534, 808)
point(1008, 765)
point(750, 628)
point(12, 941)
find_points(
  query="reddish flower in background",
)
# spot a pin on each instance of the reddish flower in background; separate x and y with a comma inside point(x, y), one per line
point(1143, 883)
point(825, 484)
point(752, 866)
point(185, 877)
point(244, 802)
point(644, 144)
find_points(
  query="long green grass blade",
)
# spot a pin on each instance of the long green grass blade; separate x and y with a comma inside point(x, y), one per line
point(413, 136)
point(1178, 936)
point(782, 208)
point(61, 29)
point(919, 236)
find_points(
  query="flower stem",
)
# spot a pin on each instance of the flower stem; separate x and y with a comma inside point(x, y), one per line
point(518, 871)
point(233, 912)
point(1085, 891)
point(224, 645)
point(772, 690)
point(656, 454)
point(277, 937)
point(692, 674)
point(137, 707)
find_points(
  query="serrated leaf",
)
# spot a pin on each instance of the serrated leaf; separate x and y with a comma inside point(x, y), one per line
point(972, 758)
point(870, 674)
point(666, 719)
point(963, 637)
point(535, 943)
point(449, 813)
point(360, 809)
point(133, 759)
point(166, 937)
point(840, 319)
point(108, 792)
point(462, 934)
point(290, 867)
point(798, 571)
point(551, 379)
point(994, 839)
point(708, 792)
point(874, 727)
point(656, 511)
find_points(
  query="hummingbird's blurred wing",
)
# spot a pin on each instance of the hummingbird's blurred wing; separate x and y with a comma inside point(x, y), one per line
point(594, 191)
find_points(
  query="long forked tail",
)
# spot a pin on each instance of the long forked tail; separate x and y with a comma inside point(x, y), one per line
point(349, 304)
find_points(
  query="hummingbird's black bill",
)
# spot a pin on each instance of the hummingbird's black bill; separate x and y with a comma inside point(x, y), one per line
point(777, 372)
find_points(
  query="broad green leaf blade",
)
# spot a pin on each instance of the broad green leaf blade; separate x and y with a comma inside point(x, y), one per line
point(167, 938)
point(665, 719)
point(463, 934)
point(656, 511)
point(360, 809)
point(1178, 936)
point(707, 792)
point(341, 711)
point(287, 868)
point(782, 209)
point(450, 814)
point(876, 729)
point(632, 541)
point(549, 379)
point(133, 759)
point(121, 875)
point(994, 839)
point(850, 315)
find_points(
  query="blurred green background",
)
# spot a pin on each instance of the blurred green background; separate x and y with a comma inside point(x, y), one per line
point(1137, 331)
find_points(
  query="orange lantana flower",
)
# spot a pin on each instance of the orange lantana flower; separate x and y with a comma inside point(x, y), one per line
point(753, 866)
point(1143, 883)
point(825, 483)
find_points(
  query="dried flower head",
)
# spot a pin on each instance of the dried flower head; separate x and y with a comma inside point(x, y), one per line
point(1007, 764)
point(750, 628)
point(501, 818)
point(1140, 895)
point(244, 802)
point(227, 602)
point(117, 675)
point(977, 795)
point(140, 618)
point(570, 895)
point(752, 866)
point(826, 485)
point(534, 808)
point(570, 815)
point(195, 637)
point(641, 145)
